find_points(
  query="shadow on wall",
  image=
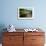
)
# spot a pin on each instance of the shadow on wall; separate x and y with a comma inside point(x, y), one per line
point(2, 26)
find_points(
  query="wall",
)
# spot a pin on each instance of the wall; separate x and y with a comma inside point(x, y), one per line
point(9, 13)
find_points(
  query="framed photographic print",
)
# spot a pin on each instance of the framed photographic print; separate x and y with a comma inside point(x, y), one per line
point(25, 13)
